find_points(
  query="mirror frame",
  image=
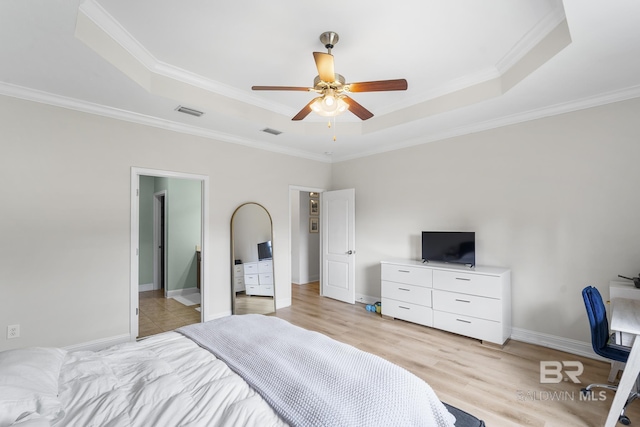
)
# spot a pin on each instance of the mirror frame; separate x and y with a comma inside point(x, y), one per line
point(233, 292)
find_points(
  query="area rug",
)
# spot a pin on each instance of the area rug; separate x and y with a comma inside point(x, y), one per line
point(189, 299)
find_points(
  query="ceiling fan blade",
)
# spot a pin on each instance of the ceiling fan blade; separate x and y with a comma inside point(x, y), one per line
point(357, 109)
point(324, 63)
point(305, 89)
point(378, 86)
point(305, 111)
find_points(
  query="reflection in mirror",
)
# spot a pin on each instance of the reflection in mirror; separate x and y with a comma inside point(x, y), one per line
point(252, 286)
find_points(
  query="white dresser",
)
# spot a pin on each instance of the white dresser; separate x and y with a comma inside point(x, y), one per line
point(238, 277)
point(474, 302)
point(258, 278)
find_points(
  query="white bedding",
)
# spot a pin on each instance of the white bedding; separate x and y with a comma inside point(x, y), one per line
point(164, 380)
point(313, 380)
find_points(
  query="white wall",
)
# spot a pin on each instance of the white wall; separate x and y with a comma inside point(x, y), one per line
point(65, 210)
point(555, 199)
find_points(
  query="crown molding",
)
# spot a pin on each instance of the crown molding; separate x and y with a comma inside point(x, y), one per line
point(533, 37)
point(34, 95)
point(540, 113)
point(92, 10)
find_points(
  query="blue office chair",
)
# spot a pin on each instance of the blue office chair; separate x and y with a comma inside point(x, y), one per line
point(601, 342)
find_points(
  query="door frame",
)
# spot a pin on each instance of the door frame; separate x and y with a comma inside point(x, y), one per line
point(300, 188)
point(136, 172)
point(159, 268)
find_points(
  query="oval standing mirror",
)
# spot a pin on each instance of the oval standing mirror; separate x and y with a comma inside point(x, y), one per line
point(252, 284)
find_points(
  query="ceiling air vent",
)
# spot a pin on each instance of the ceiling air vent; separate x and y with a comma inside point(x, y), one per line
point(271, 131)
point(190, 111)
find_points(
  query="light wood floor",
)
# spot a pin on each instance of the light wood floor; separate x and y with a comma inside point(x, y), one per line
point(254, 304)
point(499, 385)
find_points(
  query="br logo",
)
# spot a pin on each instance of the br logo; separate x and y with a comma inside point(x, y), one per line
point(553, 372)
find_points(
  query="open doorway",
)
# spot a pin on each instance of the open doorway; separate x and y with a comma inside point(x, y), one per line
point(305, 236)
point(168, 242)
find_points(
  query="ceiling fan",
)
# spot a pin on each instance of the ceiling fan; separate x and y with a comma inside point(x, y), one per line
point(333, 90)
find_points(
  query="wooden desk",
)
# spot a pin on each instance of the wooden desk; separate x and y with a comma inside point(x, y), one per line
point(625, 317)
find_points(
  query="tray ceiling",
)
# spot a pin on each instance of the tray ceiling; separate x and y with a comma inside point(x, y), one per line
point(470, 65)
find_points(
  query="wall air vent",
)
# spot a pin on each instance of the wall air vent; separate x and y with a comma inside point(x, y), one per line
point(190, 111)
point(271, 131)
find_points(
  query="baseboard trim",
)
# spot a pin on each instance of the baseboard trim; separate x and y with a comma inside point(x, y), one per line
point(366, 299)
point(145, 287)
point(579, 348)
point(217, 316)
point(284, 302)
point(100, 344)
point(180, 292)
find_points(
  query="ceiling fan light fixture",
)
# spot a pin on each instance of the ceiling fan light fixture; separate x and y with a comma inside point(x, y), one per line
point(329, 102)
point(329, 105)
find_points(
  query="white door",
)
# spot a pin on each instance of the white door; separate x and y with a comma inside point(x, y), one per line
point(338, 245)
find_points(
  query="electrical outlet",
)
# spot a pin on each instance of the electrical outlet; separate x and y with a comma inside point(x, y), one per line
point(13, 331)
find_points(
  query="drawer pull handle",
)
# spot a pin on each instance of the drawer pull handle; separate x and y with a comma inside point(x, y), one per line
point(463, 278)
point(463, 321)
point(404, 289)
point(404, 271)
point(462, 300)
point(406, 308)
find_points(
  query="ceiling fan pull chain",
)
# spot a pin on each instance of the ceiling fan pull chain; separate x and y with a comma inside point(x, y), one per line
point(334, 128)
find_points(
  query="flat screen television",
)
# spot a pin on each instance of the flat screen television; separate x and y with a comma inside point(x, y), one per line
point(458, 247)
point(264, 250)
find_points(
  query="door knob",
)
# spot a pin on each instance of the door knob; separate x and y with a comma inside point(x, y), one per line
point(350, 252)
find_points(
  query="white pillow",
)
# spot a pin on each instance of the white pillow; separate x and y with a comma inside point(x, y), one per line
point(29, 383)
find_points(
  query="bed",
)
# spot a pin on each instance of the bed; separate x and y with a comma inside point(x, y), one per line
point(246, 370)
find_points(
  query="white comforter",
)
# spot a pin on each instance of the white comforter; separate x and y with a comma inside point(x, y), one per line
point(164, 380)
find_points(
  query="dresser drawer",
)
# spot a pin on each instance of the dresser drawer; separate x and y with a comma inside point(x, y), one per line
point(265, 266)
point(469, 305)
point(250, 267)
point(265, 278)
point(473, 284)
point(252, 290)
point(265, 290)
point(407, 311)
point(238, 283)
point(410, 293)
point(406, 274)
point(238, 270)
point(251, 279)
point(481, 329)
